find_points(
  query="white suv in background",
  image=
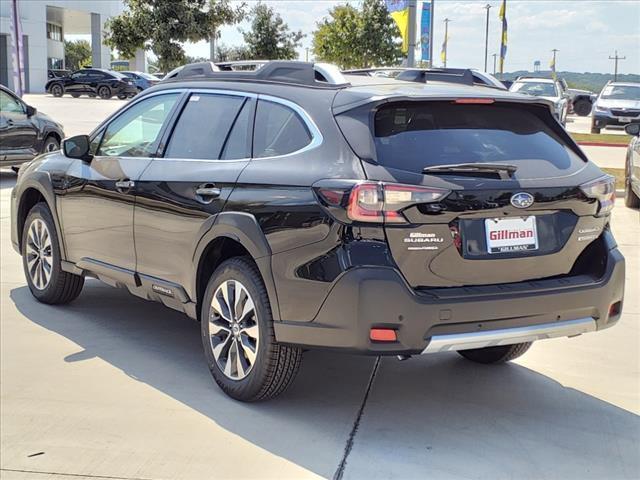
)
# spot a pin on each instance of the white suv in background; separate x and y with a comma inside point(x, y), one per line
point(547, 88)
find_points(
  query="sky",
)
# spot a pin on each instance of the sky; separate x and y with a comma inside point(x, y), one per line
point(585, 32)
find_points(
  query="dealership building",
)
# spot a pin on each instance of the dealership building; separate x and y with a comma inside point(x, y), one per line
point(45, 25)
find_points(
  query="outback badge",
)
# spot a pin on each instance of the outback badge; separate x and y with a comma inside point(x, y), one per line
point(522, 200)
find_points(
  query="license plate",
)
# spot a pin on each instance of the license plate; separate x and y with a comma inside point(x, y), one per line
point(506, 235)
point(625, 119)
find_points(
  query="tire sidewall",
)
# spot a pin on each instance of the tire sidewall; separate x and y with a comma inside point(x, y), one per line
point(103, 89)
point(40, 211)
point(49, 140)
point(250, 386)
point(57, 90)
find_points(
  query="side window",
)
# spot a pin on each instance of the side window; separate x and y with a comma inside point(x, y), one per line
point(9, 104)
point(135, 132)
point(238, 142)
point(278, 130)
point(79, 75)
point(203, 126)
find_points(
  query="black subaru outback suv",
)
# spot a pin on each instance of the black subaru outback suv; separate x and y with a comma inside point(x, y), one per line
point(295, 207)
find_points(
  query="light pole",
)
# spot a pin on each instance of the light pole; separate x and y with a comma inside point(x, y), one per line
point(487, 7)
point(446, 41)
point(553, 62)
point(616, 58)
point(412, 33)
point(495, 56)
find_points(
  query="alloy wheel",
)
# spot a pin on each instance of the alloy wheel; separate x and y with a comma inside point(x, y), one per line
point(39, 254)
point(51, 146)
point(233, 329)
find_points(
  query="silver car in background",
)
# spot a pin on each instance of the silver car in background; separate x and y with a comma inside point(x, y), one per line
point(618, 105)
point(548, 89)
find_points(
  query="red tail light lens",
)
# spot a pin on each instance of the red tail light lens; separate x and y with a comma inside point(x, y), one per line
point(604, 190)
point(384, 202)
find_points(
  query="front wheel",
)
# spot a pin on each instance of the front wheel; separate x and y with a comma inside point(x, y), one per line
point(41, 260)
point(123, 96)
point(51, 144)
point(57, 90)
point(238, 335)
point(499, 354)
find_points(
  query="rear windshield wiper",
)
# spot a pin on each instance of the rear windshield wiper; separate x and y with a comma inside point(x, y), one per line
point(504, 170)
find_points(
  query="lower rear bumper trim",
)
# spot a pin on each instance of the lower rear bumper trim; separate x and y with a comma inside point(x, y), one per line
point(509, 336)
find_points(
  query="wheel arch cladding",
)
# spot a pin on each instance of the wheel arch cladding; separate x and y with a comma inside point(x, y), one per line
point(234, 234)
point(29, 198)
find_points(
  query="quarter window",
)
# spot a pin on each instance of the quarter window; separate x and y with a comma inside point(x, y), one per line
point(203, 126)
point(278, 130)
point(135, 132)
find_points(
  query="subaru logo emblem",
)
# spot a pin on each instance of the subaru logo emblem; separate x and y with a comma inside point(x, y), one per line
point(522, 200)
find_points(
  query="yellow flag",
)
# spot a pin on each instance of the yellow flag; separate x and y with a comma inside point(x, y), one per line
point(401, 17)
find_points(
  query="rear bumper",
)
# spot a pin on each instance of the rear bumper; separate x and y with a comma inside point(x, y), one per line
point(457, 318)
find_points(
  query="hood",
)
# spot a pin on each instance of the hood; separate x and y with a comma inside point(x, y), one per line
point(618, 103)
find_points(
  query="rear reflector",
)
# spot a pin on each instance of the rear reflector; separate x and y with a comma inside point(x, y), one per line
point(383, 335)
point(615, 309)
point(474, 100)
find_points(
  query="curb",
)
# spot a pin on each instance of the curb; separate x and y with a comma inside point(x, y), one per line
point(598, 144)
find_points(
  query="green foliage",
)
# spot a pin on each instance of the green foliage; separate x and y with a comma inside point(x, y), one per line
point(162, 25)
point(77, 54)
point(269, 37)
point(355, 38)
point(231, 54)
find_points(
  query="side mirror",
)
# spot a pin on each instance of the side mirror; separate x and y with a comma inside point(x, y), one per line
point(77, 147)
point(31, 111)
point(632, 129)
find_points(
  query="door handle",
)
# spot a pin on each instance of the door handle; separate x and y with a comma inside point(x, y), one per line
point(208, 190)
point(9, 122)
point(125, 184)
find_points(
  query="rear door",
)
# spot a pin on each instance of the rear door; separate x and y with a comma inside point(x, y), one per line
point(180, 193)
point(493, 227)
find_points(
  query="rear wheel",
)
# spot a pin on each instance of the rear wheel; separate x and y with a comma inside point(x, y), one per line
point(238, 336)
point(75, 95)
point(57, 90)
point(122, 96)
point(104, 92)
point(41, 260)
point(499, 354)
point(631, 200)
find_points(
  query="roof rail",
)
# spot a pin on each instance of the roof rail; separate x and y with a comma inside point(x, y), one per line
point(275, 71)
point(238, 64)
point(462, 76)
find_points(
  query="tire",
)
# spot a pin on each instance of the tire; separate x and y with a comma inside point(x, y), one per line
point(104, 92)
point(50, 144)
point(594, 129)
point(493, 355)
point(631, 200)
point(122, 96)
point(60, 287)
point(57, 90)
point(75, 95)
point(274, 366)
point(582, 107)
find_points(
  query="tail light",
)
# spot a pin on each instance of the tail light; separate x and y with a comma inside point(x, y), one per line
point(604, 190)
point(380, 202)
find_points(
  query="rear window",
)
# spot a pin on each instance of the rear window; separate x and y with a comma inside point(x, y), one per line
point(414, 135)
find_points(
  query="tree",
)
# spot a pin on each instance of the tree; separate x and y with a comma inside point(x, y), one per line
point(162, 25)
point(355, 38)
point(231, 54)
point(269, 37)
point(77, 54)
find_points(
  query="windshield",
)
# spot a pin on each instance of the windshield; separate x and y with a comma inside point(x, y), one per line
point(537, 89)
point(148, 76)
point(621, 92)
point(414, 135)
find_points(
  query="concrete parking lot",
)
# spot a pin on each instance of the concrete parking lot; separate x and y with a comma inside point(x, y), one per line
point(112, 386)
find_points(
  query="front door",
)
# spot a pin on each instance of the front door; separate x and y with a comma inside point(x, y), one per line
point(18, 133)
point(181, 192)
point(97, 205)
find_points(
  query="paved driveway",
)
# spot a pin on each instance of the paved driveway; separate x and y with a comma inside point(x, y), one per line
point(115, 387)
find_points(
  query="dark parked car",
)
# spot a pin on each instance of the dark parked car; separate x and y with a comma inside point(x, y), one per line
point(294, 207)
point(581, 101)
point(93, 82)
point(632, 168)
point(53, 73)
point(142, 80)
point(24, 132)
point(617, 105)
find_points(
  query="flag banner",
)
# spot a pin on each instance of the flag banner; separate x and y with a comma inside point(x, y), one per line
point(503, 40)
point(17, 50)
point(443, 52)
point(399, 11)
point(425, 31)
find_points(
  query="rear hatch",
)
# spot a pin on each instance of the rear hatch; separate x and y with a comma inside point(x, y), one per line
point(519, 201)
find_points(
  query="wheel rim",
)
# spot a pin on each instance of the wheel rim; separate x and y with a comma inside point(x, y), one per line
point(39, 254)
point(233, 330)
point(104, 92)
point(56, 90)
point(51, 146)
